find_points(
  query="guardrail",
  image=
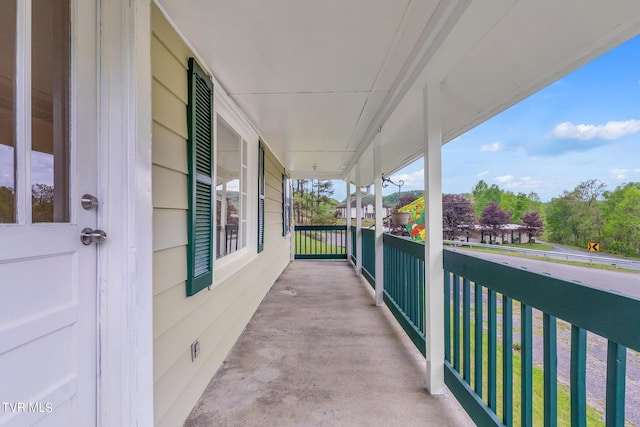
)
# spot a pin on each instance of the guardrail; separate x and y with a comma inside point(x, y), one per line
point(617, 262)
point(470, 367)
point(320, 241)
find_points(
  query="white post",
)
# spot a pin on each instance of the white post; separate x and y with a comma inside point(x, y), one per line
point(434, 273)
point(379, 213)
point(348, 220)
point(358, 221)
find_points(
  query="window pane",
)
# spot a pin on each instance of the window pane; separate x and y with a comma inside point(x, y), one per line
point(50, 110)
point(229, 190)
point(7, 110)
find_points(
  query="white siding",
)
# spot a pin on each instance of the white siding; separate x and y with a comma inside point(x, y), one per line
point(217, 317)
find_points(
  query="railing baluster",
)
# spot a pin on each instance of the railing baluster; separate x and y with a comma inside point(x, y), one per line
point(466, 330)
point(456, 322)
point(507, 361)
point(616, 372)
point(492, 362)
point(550, 370)
point(478, 307)
point(526, 351)
point(578, 377)
point(447, 316)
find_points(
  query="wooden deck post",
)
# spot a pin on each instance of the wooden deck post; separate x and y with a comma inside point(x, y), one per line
point(379, 212)
point(358, 221)
point(348, 221)
point(434, 273)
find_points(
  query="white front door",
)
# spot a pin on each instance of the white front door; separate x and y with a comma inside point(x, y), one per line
point(48, 152)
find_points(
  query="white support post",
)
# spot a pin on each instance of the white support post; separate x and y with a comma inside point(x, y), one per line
point(433, 251)
point(348, 220)
point(358, 221)
point(379, 212)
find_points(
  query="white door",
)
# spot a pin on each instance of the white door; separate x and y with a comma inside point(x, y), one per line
point(48, 147)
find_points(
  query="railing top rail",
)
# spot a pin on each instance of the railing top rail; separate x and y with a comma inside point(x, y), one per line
point(611, 315)
point(368, 231)
point(405, 245)
point(320, 227)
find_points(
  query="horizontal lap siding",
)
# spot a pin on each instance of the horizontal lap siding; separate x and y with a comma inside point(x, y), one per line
point(217, 317)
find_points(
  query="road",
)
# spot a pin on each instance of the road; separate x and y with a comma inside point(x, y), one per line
point(573, 251)
point(616, 281)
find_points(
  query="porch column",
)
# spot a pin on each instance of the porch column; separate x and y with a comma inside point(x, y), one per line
point(358, 221)
point(379, 212)
point(433, 255)
point(348, 220)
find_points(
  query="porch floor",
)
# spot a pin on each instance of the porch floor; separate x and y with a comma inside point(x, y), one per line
point(318, 353)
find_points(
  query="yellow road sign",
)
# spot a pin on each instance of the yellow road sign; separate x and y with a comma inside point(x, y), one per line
point(593, 247)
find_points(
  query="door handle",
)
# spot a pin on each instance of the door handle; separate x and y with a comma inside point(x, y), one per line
point(89, 236)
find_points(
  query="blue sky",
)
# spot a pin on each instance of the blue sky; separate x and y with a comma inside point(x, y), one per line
point(584, 126)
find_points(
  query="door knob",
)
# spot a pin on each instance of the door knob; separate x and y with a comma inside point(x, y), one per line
point(89, 236)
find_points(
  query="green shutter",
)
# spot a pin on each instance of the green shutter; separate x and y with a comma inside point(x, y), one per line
point(200, 159)
point(261, 189)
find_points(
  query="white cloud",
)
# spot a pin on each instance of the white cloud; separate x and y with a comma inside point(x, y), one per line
point(411, 179)
point(610, 130)
point(636, 170)
point(503, 179)
point(481, 174)
point(491, 147)
point(619, 173)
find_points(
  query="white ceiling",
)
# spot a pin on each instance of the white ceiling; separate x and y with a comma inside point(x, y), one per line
point(317, 78)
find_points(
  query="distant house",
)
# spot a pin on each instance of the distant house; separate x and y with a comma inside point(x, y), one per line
point(512, 233)
point(368, 210)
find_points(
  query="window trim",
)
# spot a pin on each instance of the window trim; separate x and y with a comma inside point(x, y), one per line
point(261, 195)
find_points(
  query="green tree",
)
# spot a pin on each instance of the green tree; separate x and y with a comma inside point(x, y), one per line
point(483, 194)
point(622, 219)
point(7, 204)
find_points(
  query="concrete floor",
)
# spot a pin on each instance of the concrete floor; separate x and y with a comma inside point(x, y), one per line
point(319, 353)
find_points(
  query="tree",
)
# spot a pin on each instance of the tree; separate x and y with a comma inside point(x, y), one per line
point(7, 214)
point(483, 194)
point(532, 224)
point(622, 219)
point(457, 215)
point(405, 199)
point(493, 220)
point(42, 199)
point(576, 216)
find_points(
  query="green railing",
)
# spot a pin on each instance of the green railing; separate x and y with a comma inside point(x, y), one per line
point(482, 299)
point(404, 285)
point(369, 255)
point(320, 241)
point(353, 244)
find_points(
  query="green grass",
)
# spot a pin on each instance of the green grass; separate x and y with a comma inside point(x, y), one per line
point(594, 417)
point(309, 244)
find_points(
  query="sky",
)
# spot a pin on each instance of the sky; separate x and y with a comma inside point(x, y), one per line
point(584, 126)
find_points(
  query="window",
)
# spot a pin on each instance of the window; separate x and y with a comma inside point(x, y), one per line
point(231, 190)
point(286, 205)
point(200, 158)
point(48, 117)
point(261, 195)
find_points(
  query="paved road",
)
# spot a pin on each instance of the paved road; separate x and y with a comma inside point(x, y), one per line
point(573, 251)
point(616, 281)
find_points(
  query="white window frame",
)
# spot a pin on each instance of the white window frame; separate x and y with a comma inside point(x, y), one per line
point(228, 265)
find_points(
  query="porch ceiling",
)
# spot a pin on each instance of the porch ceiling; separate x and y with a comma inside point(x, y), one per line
point(318, 77)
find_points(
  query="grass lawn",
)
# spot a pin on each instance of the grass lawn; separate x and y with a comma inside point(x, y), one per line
point(309, 243)
point(594, 417)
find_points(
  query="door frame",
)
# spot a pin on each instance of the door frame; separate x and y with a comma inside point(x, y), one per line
point(125, 286)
